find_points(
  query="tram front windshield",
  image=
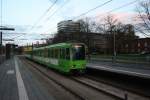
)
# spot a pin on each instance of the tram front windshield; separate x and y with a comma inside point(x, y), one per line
point(78, 52)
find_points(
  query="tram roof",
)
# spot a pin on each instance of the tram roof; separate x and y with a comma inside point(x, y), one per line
point(55, 45)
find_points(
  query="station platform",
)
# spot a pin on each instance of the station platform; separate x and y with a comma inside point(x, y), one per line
point(137, 70)
point(17, 82)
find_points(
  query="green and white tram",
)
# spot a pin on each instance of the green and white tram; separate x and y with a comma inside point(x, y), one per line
point(65, 57)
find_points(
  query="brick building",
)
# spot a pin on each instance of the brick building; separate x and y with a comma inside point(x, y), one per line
point(140, 45)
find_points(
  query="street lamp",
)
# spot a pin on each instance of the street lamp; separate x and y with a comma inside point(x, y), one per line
point(3, 28)
point(114, 43)
point(114, 47)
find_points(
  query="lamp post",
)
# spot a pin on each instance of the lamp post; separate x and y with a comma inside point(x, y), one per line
point(4, 28)
point(113, 31)
point(114, 47)
point(1, 33)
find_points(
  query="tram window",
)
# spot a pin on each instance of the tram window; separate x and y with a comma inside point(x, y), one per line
point(43, 51)
point(39, 53)
point(62, 53)
point(52, 52)
point(35, 53)
point(56, 53)
point(67, 53)
point(78, 52)
point(48, 52)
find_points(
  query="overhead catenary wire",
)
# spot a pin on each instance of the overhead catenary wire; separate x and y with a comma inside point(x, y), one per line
point(54, 14)
point(101, 5)
point(57, 10)
point(39, 19)
point(125, 5)
point(43, 15)
point(120, 7)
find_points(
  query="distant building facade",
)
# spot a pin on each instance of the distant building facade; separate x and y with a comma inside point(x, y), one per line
point(140, 45)
point(95, 41)
point(68, 26)
point(69, 31)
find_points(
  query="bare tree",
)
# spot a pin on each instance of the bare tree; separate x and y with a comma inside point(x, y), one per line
point(110, 23)
point(87, 25)
point(117, 32)
point(84, 25)
point(143, 17)
point(110, 28)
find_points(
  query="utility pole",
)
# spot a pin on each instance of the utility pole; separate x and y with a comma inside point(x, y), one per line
point(1, 34)
point(114, 47)
point(1, 42)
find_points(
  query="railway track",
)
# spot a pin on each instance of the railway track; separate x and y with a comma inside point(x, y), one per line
point(90, 84)
point(55, 81)
point(110, 89)
point(127, 90)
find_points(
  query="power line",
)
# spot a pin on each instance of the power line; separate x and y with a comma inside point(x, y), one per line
point(55, 13)
point(93, 9)
point(43, 14)
point(57, 10)
point(90, 10)
point(125, 5)
point(120, 7)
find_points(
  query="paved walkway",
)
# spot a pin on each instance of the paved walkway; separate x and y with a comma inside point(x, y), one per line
point(142, 71)
point(17, 82)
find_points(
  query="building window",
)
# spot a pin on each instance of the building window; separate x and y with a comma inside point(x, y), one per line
point(139, 44)
point(145, 44)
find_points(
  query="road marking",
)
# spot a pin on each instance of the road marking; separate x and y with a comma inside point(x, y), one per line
point(10, 72)
point(21, 88)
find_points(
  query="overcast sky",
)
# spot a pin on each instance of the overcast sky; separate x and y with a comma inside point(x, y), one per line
point(24, 15)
